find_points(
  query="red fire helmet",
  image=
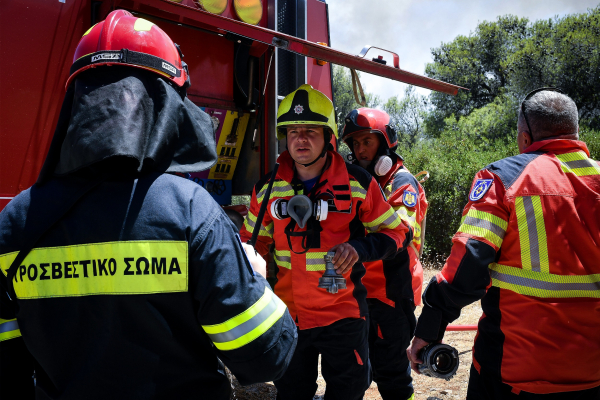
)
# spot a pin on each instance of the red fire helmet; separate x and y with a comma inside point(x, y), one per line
point(122, 39)
point(372, 120)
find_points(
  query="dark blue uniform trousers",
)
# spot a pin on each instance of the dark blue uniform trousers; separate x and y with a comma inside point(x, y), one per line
point(344, 351)
point(390, 332)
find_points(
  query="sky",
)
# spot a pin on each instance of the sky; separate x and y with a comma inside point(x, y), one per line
point(411, 28)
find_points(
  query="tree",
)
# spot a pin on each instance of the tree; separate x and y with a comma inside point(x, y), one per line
point(406, 115)
point(343, 95)
point(474, 62)
point(564, 53)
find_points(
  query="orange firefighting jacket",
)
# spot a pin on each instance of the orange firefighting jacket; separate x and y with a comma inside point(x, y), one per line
point(530, 237)
point(402, 276)
point(359, 205)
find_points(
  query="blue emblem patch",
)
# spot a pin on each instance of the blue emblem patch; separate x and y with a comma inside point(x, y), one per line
point(480, 188)
point(409, 198)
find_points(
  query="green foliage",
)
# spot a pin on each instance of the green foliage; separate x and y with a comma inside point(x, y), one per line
point(407, 115)
point(454, 137)
point(513, 56)
point(592, 140)
point(453, 159)
point(565, 53)
point(343, 95)
point(474, 62)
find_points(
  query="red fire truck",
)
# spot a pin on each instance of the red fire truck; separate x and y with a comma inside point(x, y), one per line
point(243, 56)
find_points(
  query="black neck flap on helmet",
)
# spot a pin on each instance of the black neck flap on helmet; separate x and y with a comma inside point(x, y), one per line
point(131, 118)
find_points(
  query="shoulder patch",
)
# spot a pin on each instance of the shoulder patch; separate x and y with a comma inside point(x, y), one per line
point(480, 188)
point(409, 198)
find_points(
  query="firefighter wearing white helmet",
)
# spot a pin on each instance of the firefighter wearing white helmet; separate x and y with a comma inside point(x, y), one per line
point(330, 324)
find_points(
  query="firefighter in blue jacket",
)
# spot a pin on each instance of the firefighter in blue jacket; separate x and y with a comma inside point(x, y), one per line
point(134, 283)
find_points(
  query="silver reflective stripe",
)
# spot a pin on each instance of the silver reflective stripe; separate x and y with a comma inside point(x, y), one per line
point(247, 326)
point(536, 284)
point(283, 258)
point(482, 223)
point(579, 164)
point(387, 222)
point(534, 246)
point(9, 326)
point(315, 261)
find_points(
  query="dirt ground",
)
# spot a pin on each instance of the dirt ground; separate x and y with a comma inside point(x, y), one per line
point(425, 388)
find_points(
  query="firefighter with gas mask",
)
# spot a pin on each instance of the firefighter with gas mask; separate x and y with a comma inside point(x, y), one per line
point(318, 204)
point(393, 285)
point(124, 280)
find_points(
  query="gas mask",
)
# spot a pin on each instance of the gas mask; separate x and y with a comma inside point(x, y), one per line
point(381, 165)
point(300, 208)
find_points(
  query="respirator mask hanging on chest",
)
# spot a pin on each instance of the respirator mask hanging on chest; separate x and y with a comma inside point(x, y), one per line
point(300, 208)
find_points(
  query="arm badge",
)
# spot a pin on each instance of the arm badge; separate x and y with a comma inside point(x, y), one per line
point(409, 198)
point(480, 188)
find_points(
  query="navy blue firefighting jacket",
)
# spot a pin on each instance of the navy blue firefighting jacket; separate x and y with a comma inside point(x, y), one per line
point(138, 292)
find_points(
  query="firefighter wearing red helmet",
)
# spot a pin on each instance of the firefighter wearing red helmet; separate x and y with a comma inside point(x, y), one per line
point(344, 203)
point(528, 246)
point(394, 285)
point(123, 280)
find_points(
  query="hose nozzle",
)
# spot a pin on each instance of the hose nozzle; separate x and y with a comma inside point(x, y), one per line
point(331, 280)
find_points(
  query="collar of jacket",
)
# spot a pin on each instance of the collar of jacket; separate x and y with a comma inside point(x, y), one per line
point(389, 177)
point(336, 174)
point(558, 146)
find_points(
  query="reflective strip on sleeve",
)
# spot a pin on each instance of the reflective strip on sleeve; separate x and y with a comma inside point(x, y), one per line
point(408, 216)
point(544, 285)
point(388, 219)
point(249, 325)
point(250, 223)
point(283, 259)
point(578, 163)
point(280, 189)
point(357, 190)
point(532, 234)
point(9, 329)
point(315, 261)
point(485, 225)
point(110, 268)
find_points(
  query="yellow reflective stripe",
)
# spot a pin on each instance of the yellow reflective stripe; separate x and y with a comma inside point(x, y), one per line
point(388, 219)
point(357, 190)
point(280, 189)
point(315, 261)
point(250, 223)
point(247, 326)
point(408, 216)
point(484, 225)
point(283, 258)
point(544, 285)
point(133, 267)
point(578, 163)
point(532, 233)
point(9, 329)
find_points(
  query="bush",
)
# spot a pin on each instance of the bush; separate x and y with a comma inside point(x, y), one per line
point(464, 147)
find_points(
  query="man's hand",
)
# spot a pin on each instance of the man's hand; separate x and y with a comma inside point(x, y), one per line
point(258, 263)
point(413, 351)
point(345, 257)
